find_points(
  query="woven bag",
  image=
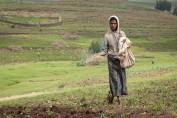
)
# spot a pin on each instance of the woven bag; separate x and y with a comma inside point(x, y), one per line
point(129, 59)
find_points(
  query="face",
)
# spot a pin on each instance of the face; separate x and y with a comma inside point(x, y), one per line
point(113, 25)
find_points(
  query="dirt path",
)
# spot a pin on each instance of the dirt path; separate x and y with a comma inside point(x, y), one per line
point(22, 96)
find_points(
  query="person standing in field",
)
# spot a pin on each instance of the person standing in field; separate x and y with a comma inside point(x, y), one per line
point(117, 75)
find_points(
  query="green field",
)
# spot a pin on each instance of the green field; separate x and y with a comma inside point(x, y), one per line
point(47, 61)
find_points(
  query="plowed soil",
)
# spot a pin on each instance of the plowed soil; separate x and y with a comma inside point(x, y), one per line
point(57, 111)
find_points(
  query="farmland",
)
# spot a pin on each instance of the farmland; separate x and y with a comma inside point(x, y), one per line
point(39, 64)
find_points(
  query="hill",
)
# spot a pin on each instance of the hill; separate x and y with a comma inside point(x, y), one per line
point(88, 19)
point(41, 60)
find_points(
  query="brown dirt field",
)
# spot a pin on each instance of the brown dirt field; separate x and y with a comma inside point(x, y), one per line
point(57, 111)
point(158, 72)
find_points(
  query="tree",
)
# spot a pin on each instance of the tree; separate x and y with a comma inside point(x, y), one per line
point(168, 6)
point(175, 11)
point(163, 5)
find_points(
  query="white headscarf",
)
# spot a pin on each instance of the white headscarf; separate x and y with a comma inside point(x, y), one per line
point(118, 30)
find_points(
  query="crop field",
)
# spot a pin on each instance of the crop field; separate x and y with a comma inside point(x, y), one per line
point(42, 42)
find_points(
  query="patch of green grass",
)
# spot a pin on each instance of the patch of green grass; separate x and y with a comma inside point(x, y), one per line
point(55, 72)
point(165, 44)
point(31, 43)
point(141, 92)
point(36, 55)
point(40, 48)
point(44, 76)
point(155, 95)
point(28, 20)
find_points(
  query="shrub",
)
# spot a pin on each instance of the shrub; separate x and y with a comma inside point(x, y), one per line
point(95, 46)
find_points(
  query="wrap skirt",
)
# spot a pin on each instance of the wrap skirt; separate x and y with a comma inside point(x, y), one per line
point(117, 77)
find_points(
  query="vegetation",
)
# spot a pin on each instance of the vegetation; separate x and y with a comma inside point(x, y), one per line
point(40, 63)
point(175, 11)
point(163, 5)
point(96, 46)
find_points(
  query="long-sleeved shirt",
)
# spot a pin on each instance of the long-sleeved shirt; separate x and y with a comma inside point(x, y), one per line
point(111, 43)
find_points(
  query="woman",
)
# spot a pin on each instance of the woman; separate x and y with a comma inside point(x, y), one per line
point(117, 75)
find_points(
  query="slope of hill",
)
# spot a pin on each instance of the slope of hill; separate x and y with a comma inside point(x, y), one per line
point(43, 59)
point(83, 18)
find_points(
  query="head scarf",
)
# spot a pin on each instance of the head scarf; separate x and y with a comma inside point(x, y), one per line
point(118, 29)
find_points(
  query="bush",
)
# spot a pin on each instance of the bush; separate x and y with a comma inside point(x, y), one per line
point(95, 46)
point(88, 57)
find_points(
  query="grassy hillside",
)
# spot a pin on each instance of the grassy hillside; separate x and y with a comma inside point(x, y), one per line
point(141, 25)
point(37, 59)
point(151, 3)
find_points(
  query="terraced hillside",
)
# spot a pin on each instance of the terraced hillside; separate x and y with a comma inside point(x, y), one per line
point(41, 43)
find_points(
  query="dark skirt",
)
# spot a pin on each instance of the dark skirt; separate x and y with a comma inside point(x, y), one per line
point(117, 77)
